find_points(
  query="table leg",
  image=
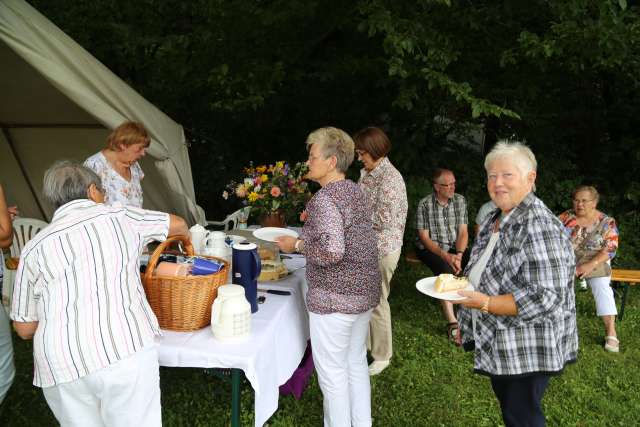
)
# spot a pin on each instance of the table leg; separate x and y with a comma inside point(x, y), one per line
point(625, 291)
point(236, 378)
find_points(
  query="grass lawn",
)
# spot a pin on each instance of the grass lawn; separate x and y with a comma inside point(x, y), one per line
point(429, 382)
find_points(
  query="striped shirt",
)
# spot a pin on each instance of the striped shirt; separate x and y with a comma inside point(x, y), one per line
point(79, 278)
point(442, 222)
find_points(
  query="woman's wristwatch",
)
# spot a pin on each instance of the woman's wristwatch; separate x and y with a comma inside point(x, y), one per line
point(297, 246)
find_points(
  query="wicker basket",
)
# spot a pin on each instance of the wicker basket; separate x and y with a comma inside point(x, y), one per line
point(182, 303)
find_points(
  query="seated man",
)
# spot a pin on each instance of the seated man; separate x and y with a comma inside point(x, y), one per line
point(78, 294)
point(441, 221)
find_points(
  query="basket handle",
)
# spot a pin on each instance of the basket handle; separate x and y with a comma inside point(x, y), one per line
point(155, 257)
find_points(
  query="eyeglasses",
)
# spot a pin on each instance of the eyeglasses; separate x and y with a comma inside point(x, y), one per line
point(361, 152)
point(583, 201)
point(451, 184)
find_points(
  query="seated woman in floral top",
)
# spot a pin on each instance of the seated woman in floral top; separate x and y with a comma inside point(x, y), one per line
point(594, 237)
point(342, 272)
point(117, 164)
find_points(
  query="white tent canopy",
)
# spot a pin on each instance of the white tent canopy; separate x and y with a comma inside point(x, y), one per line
point(58, 102)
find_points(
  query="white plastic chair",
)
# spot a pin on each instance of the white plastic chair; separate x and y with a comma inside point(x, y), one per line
point(23, 230)
point(232, 220)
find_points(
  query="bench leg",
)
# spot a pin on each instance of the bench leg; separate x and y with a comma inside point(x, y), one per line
point(625, 292)
point(236, 378)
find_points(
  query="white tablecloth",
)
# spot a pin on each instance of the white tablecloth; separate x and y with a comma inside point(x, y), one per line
point(279, 334)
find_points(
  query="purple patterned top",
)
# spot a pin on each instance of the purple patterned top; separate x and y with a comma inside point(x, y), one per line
point(341, 250)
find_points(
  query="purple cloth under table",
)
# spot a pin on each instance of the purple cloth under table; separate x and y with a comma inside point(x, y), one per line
point(300, 378)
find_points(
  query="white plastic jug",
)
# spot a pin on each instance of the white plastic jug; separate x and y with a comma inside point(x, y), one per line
point(231, 314)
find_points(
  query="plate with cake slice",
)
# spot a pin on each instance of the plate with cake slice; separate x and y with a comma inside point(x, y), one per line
point(444, 286)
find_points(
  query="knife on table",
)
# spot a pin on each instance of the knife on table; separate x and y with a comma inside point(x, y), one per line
point(274, 291)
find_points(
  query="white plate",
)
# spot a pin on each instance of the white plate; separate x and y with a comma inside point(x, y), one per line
point(426, 287)
point(271, 233)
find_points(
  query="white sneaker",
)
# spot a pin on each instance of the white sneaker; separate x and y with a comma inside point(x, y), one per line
point(378, 366)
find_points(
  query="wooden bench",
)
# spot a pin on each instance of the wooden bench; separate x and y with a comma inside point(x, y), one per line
point(625, 278)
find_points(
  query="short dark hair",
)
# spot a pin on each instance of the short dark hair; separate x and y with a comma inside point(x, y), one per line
point(374, 141)
point(438, 173)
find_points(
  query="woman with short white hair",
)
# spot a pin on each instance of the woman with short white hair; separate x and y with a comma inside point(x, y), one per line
point(344, 283)
point(521, 318)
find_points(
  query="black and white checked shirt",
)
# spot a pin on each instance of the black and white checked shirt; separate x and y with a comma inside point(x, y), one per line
point(441, 222)
point(533, 261)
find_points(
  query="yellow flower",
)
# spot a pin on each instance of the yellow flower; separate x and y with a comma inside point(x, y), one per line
point(261, 169)
point(253, 196)
point(264, 178)
point(280, 165)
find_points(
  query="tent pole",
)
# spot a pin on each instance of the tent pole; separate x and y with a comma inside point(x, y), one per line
point(52, 126)
point(7, 136)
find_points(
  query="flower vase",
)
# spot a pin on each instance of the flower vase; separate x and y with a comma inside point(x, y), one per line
point(273, 219)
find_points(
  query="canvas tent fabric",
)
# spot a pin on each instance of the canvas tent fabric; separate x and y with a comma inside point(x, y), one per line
point(58, 102)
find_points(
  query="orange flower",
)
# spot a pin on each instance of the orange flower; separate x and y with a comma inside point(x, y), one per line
point(275, 191)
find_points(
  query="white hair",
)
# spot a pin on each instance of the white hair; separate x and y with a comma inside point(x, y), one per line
point(334, 142)
point(521, 155)
point(66, 181)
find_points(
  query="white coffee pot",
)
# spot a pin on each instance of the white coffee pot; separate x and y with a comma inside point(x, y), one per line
point(199, 236)
point(231, 314)
point(216, 239)
point(216, 245)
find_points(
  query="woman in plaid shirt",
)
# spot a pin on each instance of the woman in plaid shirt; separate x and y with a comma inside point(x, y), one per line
point(522, 316)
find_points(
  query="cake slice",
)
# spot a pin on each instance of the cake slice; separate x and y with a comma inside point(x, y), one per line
point(272, 270)
point(449, 282)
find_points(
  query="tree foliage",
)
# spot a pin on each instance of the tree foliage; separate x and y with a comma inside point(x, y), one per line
point(249, 79)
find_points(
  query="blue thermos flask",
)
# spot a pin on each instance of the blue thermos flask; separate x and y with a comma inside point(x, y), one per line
point(246, 269)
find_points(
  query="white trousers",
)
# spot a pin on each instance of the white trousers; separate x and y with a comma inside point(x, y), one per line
point(603, 295)
point(340, 357)
point(125, 394)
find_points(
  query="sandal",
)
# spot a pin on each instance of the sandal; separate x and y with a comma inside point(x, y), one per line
point(611, 348)
point(453, 333)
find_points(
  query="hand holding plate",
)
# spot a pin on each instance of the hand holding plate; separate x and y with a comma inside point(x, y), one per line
point(286, 243)
point(472, 299)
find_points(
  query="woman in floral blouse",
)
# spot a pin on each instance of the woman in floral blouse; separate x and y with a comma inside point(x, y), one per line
point(117, 164)
point(344, 283)
point(384, 187)
point(594, 237)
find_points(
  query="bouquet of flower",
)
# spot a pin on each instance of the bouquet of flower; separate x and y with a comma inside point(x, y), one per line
point(273, 188)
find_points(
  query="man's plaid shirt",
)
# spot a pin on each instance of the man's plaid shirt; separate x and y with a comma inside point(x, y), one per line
point(534, 262)
point(441, 222)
